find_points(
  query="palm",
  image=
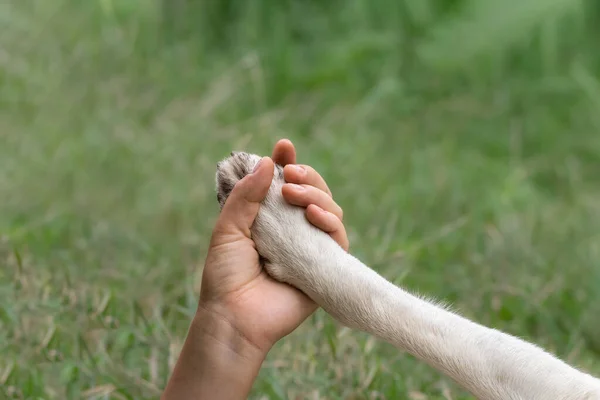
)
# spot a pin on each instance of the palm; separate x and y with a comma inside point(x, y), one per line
point(276, 309)
point(264, 309)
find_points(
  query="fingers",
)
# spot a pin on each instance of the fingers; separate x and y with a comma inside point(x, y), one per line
point(328, 223)
point(241, 206)
point(284, 152)
point(305, 195)
point(305, 175)
point(306, 188)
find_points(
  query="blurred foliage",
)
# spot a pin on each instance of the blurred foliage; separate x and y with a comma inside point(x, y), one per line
point(460, 137)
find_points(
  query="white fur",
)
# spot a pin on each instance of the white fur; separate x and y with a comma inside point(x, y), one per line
point(488, 363)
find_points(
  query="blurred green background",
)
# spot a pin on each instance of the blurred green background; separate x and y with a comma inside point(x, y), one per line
point(460, 137)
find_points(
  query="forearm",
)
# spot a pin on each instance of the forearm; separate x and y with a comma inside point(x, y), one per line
point(216, 362)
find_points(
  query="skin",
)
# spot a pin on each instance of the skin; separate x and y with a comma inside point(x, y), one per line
point(242, 311)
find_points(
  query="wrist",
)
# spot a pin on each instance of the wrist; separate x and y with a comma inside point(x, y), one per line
point(212, 324)
point(216, 361)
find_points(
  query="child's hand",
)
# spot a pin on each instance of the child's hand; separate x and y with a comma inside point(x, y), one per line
point(234, 286)
point(242, 311)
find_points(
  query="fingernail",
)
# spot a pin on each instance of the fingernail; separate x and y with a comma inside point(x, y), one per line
point(257, 166)
point(299, 169)
point(298, 188)
point(320, 210)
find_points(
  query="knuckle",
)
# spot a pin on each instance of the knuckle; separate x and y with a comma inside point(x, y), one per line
point(313, 178)
point(309, 170)
point(312, 175)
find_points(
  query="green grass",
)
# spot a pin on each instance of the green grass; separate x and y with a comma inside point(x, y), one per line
point(461, 138)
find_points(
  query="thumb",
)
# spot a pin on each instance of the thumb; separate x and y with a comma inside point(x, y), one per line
point(241, 207)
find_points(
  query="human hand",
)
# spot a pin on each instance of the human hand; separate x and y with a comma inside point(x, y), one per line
point(242, 311)
point(234, 286)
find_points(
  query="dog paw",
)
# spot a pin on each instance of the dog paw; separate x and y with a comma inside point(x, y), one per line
point(231, 170)
point(287, 243)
